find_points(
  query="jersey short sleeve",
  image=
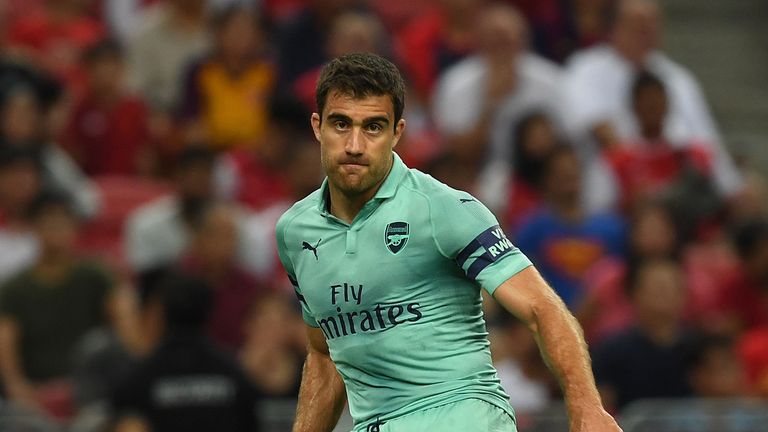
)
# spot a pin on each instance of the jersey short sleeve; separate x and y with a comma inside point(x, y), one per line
point(282, 251)
point(468, 233)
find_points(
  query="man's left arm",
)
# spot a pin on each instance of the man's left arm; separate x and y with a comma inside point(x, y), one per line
point(560, 339)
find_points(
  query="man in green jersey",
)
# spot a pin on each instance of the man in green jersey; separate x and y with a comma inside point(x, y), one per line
point(387, 263)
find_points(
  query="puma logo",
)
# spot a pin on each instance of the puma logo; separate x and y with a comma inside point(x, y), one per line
point(309, 247)
point(466, 200)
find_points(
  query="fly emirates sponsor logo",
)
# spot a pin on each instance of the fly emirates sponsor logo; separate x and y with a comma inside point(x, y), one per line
point(350, 320)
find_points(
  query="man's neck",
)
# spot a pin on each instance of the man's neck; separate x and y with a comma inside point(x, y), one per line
point(53, 266)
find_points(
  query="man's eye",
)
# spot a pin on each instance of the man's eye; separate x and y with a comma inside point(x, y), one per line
point(340, 125)
point(374, 128)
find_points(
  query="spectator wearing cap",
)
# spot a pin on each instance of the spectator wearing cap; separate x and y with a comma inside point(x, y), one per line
point(47, 308)
point(107, 132)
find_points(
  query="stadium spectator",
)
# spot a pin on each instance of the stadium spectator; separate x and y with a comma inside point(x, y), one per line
point(647, 360)
point(350, 32)
point(158, 232)
point(714, 369)
point(225, 96)
point(274, 346)
point(534, 139)
point(651, 165)
point(46, 309)
point(173, 33)
point(435, 41)
point(478, 98)
point(598, 84)
point(23, 123)
point(107, 133)
point(743, 294)
point(186, 384)
point(654, 233)
point(561, 238)
point(20, 180)
point(212, 256)
point(753, 351)
point(301, 41)
point(260, 177)
point(54, 36)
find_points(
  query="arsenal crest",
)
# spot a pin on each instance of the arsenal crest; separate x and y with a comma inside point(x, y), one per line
point(396, 236)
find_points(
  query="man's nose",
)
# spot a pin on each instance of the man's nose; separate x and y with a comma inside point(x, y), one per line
point(355, 142)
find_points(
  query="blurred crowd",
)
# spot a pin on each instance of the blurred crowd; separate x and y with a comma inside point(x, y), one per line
point(147, 148)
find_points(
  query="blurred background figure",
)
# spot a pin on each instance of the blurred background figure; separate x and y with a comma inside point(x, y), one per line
point(647, 360)
point(599, 80)
point(714, 368)
point(158, 232)
point(25, 121)
point(274, 346)
point(225, 96)
point(212, 256)
point(561, 237)
point(172, 34)
point(47, 308)
point(20, 181)
point(108, 131)
point(186, 383)
point(489, 91)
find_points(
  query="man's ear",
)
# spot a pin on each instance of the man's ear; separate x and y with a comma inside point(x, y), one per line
point(399, 128)
point(316, 125)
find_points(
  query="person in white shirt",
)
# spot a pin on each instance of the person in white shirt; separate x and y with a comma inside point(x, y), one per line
point(598, 101)
point(478, 101)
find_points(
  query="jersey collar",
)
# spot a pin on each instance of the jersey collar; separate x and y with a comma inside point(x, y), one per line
point(386, 190)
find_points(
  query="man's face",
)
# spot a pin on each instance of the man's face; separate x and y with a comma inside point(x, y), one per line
point(651, 107)
point(356, 137)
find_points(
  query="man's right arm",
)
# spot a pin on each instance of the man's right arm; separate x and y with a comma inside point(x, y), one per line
point(322, 395)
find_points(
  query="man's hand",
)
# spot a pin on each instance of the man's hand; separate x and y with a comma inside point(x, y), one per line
point(596, 420)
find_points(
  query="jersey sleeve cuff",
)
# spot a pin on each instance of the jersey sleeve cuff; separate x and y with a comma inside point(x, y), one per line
point(493, 276)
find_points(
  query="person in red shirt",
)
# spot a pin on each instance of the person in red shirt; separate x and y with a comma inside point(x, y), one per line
point(440, 38)
point(654, 164)
point(107, 133)
point(744, 295)
point(54, 37)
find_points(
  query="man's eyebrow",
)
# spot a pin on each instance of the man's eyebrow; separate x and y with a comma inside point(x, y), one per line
point(337, 116)
point(375, 119)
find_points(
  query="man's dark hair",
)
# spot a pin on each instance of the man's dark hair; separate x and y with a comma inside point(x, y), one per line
point(50, 199)
point(360, 75)
point(645, 80)
point(187, 302)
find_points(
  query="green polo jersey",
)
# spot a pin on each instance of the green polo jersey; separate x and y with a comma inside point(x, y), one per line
point(396, 292)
